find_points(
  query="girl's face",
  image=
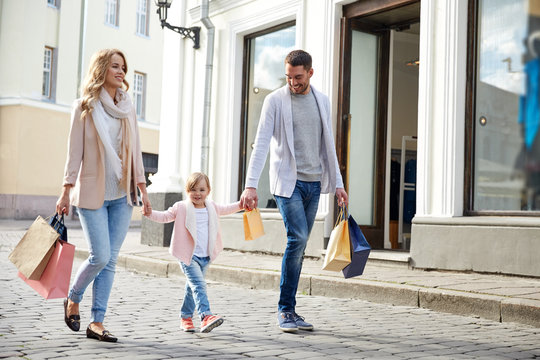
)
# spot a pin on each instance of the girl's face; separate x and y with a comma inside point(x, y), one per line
point(199, 193)
point(116, 73)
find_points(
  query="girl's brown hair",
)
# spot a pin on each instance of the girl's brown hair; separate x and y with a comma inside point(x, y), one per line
point(95, 78)
point(194, 179)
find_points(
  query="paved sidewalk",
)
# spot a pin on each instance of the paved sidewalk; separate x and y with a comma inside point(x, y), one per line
point(494, 297)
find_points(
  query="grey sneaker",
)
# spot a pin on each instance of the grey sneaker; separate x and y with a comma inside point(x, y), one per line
point(301, 323)
point(286, 322)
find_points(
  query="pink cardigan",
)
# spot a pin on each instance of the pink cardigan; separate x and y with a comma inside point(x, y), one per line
point(184, 234)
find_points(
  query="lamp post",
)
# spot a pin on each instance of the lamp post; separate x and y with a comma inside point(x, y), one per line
point(192, 32)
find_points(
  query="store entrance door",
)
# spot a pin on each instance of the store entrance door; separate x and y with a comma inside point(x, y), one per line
point(364, 133)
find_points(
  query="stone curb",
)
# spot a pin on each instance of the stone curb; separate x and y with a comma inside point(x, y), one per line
point(496, 308)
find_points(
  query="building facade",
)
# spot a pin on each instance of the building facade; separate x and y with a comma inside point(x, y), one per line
point(45, 48)
point(433, 117)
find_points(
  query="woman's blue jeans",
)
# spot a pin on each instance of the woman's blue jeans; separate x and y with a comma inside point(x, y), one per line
point(195, 290)
point(105, 230)
point(298, 214)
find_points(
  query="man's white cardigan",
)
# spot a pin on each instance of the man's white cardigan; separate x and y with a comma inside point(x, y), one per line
point(275, 133)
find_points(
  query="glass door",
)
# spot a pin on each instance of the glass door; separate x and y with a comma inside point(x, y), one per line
point(361, 132)
point(264, 69)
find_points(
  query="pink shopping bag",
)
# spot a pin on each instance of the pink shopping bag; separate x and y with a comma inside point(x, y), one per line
point(54, 283)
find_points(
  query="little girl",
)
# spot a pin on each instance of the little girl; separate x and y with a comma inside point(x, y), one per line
point(196, 241)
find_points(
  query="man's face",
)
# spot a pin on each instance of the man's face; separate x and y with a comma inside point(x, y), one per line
point(298, 78)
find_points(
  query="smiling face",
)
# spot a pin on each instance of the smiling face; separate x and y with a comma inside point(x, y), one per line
point(298, 78)
point(198, 193)
point(115, 74)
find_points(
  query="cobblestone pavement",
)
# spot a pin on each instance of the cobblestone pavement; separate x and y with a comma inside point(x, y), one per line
point(143, 313)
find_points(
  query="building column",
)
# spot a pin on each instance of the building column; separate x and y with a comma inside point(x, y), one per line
point(166, 187)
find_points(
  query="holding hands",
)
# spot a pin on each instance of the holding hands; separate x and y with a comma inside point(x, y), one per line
point(249, 199)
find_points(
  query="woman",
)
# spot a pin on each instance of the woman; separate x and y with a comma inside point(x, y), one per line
point(103, 170)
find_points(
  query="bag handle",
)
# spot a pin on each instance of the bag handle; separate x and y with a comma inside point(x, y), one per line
point(342, 215)
point(57, 223)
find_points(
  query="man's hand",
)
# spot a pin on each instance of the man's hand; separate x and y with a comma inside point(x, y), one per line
point(249, 199)
point(342, 198)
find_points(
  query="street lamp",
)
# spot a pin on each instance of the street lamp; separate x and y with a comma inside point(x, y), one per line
point(192, 32)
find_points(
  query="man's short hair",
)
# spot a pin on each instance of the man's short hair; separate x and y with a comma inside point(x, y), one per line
point(299, 57)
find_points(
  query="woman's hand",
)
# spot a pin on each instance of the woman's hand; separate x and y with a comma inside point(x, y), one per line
point(146, 209)
point(146, 206)
point(62, 205)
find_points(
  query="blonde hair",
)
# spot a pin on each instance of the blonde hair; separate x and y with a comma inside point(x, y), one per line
point(95, 77)
point(194, 179)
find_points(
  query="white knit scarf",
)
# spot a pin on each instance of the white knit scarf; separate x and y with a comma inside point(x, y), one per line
point(104, 110)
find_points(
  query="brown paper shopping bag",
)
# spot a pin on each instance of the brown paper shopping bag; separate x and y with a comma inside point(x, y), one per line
point(32, 253)
point(253, 226)
point(338, 252)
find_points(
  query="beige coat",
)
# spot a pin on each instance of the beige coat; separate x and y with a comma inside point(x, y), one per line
point(85, 164)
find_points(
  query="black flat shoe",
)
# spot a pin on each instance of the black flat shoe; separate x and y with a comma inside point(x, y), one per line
point(104, 336)
point(73, 321)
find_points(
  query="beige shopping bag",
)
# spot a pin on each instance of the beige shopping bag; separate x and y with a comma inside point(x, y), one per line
point(32, 253)
point(253, 226)
point(338, 252)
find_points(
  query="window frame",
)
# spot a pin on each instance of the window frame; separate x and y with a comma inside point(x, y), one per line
point(243, 161)
point(110, 4)
point(139, 15)
point(49, 93)
point(142, 92)
point(470, 123)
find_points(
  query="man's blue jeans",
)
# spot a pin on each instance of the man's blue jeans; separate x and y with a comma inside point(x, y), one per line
point(298, 214)
point(195, 291)
point(105, 230)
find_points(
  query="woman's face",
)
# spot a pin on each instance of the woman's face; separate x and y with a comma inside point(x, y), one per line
point(199, 193)
point(116, 73)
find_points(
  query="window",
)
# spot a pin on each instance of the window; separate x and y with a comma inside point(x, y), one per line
point(111, 12)
point(53, 3)
point(503, 170)
point(46, 90)
point(139, 94)
point(264, 71)
point(142, 17)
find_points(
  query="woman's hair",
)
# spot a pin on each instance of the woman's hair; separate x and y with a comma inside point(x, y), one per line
point(95, 78)
point(194, 179)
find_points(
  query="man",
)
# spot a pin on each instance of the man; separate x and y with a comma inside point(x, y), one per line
point(296, 127)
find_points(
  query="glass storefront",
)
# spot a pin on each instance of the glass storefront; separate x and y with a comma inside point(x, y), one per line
point(506, 153)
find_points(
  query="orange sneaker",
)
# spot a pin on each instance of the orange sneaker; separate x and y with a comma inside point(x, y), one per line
point(187, 325)
point(210, 322)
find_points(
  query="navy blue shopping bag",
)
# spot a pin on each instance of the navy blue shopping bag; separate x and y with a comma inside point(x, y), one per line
point(359, 250)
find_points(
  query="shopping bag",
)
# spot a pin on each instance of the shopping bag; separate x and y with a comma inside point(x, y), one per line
point(32, 253)
point(253, 226)
point(338, 251)
point(360, 249)
point(54, 282)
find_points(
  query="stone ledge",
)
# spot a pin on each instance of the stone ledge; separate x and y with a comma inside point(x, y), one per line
point(461, 303)
point(521, 311)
